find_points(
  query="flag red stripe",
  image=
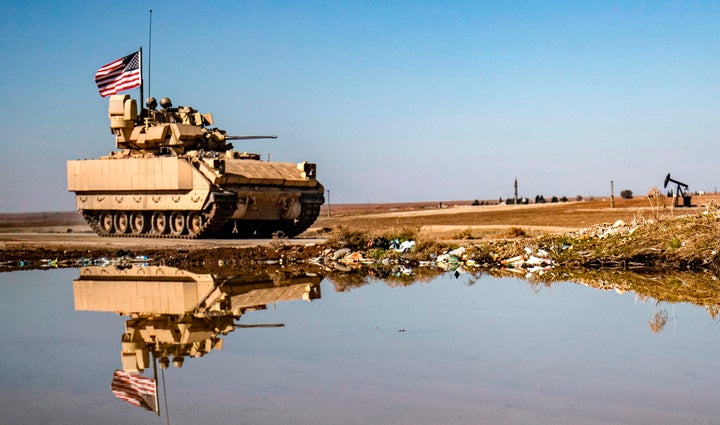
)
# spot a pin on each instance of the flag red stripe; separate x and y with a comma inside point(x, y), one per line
point(109, 67)
point(131, 379)
point(129, 385)
point(127, 77)
point(124, 397)
point(128, 81)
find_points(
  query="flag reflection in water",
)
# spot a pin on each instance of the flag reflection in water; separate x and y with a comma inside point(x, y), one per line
point(135, 389)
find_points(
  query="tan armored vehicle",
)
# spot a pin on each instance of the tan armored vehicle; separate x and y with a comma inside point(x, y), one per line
point(174, 175)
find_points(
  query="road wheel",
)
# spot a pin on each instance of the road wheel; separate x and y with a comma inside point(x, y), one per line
point(138, 223)
point(195, 222)
point(122, 222)
point(106, 222)
point(159, 222)
point(177, 223)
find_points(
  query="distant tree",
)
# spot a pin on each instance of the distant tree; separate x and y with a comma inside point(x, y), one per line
point(539, 199)
point(475, 203)
point(563, 199)
point(626, 194)
point(554, 199)
point(579, 198)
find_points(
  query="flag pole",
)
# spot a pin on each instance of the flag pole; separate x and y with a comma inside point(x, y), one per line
point(157, 401)
point(141, 79)
point(167, 412)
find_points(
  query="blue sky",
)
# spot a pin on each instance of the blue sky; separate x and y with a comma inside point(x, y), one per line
point(395, 101)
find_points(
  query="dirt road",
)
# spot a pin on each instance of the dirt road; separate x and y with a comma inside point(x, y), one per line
point(77, 241)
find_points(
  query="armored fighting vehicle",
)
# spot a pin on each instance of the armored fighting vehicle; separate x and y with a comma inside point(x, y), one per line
point(174, 175)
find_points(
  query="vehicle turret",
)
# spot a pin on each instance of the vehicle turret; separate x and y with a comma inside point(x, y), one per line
point(180, 129)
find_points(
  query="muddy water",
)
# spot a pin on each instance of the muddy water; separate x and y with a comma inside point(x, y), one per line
point(278, 349)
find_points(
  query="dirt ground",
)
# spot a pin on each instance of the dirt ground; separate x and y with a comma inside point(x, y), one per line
point(454, 219)
point(64, 239)
point(460, 222)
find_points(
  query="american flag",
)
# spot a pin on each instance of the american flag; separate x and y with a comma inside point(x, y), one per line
point(121, 74)
point(135, 389)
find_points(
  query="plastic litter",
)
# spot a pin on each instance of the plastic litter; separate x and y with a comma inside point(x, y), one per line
point(394, 244)
point(340, 253)
point(405, 246)
point(380, 243)
point(354, 258)
point(447, 261)
point(458, 252)
point(528, 263)
point(49, 263)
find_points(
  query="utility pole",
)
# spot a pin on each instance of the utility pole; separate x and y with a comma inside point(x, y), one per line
point(612, 194)
point(328, 201)
point(516, 193)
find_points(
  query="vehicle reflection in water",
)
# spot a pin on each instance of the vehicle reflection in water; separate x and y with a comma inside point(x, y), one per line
point(174, 314)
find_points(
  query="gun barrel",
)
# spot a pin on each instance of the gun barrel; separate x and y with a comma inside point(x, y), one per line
point(249, 137)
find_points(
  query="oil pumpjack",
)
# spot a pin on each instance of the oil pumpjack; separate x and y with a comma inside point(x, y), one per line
point(681, 191)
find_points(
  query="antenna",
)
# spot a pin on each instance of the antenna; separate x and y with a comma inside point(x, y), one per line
point(149, 54)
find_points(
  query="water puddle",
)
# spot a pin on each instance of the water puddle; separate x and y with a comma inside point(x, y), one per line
point(131, 342)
